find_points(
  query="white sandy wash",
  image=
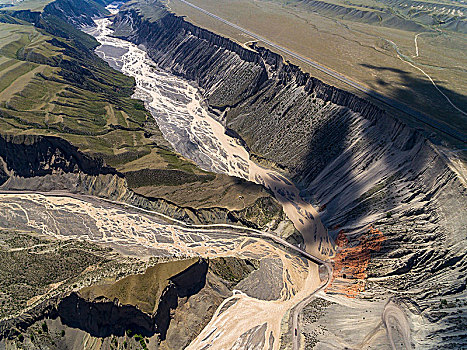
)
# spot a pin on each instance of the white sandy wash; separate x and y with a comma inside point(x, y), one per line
point(180, 113)
point(134, 232)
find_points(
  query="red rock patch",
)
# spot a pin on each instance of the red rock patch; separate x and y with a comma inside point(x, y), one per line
point(351, 262)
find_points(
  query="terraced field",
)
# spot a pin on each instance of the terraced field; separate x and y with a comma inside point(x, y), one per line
point(18, 5)
point(103, 233)
point(37, 96)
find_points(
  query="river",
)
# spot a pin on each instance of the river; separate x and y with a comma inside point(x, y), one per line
point(182, 116)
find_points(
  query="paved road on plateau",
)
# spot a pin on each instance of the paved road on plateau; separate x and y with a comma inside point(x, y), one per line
point(390, 102)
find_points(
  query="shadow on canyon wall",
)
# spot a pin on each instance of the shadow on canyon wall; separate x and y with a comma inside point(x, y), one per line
point(359, 167)
point(336, 170)
point(183, 285)
point(103, 318)
point(31, 155)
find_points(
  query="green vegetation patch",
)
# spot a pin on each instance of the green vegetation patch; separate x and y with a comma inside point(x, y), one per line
point(54, 84)
point(32, 5)
point(14, 73)
point(36, 264)
point(148, 177)
point(69, 92)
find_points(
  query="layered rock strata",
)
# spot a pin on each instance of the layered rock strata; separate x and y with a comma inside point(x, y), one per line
point(365, 169)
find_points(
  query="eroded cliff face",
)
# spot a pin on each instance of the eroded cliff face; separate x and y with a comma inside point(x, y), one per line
point(162, 181)
point(101, 317)
point(43, 163)
point(169, 39)
point(367, 171)
point(32, 155)
point(77, 12)
point(183, 295)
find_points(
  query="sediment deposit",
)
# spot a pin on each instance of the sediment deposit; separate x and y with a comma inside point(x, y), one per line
point(365, 169)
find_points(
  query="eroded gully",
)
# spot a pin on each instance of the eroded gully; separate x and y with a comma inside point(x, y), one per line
point(179, 110)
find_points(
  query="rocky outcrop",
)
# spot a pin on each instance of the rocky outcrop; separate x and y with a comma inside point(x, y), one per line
point(365, 169)
point(65, 169)
point(23, 15)
point(183, 285)
point(104, 318)
point(202, 56)
point(184, 307)
point(58, 16)
point(77, 12)
point(169, 39)
point(10, 328)
point(31, 155)
point(43, 163)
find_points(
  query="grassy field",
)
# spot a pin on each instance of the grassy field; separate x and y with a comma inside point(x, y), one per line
point(144, 290)
point(39, 97)
point(18, 5)
point(359, 50)
point(38, 265)
point(46, 89)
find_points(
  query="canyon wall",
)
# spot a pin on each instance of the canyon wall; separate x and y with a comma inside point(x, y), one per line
point(390, 199)
point(183, 297)
point(43, 163)
point(66, 161)
point(364, 169)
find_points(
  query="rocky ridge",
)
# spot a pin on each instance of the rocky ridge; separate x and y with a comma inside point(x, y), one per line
point(35, 162)
point(50, 163)
point(365, 169)
point(190, 285)
point(57, 164)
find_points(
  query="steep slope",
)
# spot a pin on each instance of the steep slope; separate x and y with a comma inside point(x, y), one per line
point(384, 190)
point(53, 85)
point(408, 15)
point(44, 163)
point(68, 123)
point(391, 200)
point(147, 308)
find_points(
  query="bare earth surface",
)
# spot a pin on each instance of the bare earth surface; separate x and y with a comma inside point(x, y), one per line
point(143, 235)
point(179, 111)
point(427, 74)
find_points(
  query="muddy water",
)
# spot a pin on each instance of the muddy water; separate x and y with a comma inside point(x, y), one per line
point(179, 110)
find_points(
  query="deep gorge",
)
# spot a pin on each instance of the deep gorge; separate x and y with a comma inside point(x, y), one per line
point(364, 168)
point(389, 197)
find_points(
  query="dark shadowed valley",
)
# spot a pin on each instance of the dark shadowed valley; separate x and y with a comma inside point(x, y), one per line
point(192, 175)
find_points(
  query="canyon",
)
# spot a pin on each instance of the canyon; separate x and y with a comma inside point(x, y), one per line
point(328, 173)
point(362, 167)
